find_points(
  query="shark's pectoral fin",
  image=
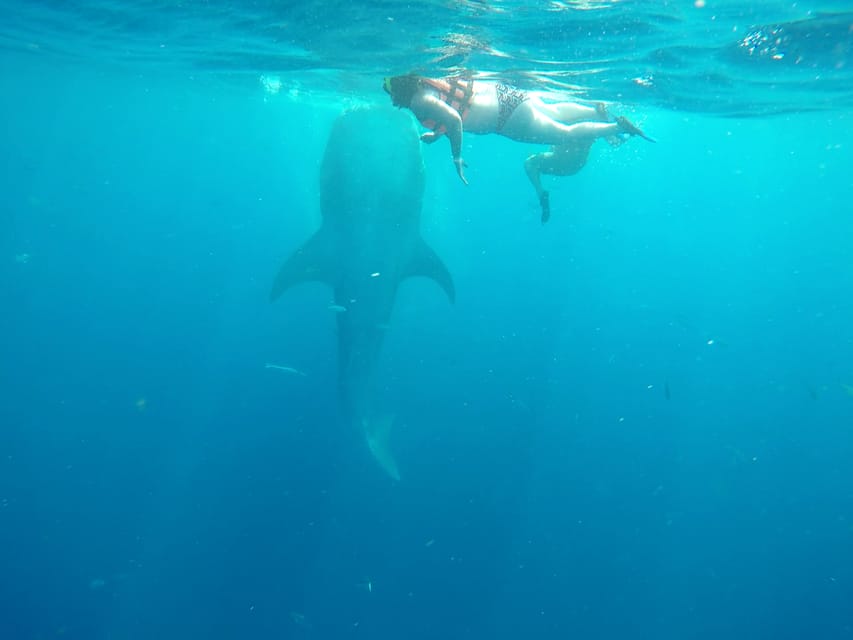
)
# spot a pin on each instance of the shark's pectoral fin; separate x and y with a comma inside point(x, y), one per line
point(425, 262)
point(312, 262)
point(378, 434)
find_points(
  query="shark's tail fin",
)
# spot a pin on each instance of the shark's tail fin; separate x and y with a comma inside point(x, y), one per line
point(378, 434)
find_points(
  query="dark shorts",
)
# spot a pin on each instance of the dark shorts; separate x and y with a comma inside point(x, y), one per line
point(508, 99)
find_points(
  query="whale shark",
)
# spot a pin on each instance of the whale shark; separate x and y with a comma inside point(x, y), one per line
point(369, 241)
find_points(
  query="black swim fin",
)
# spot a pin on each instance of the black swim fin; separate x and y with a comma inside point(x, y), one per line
point(545, 201)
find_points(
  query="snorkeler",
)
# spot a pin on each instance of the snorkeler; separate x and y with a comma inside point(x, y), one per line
point(443, 105)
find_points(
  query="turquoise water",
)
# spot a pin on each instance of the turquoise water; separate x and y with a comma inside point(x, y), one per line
point(635, 421)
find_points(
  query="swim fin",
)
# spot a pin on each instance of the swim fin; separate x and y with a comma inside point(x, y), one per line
point(631, 129)
point(545, 201)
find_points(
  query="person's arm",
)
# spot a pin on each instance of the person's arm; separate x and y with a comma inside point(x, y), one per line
point(429, 107)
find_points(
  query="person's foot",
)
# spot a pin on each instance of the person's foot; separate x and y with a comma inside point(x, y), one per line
point(545, 201)
point(626, 126)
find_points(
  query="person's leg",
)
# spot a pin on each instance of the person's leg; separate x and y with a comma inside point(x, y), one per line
point(533, 168)
point(567, 160)
point(541, 128)
point(560, 161)
point(571, 112)
point(530, 124)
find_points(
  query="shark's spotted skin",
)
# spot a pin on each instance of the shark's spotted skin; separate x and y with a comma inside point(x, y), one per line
point(371, 185)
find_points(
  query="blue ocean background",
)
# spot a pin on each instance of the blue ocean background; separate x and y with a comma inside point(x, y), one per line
point(636, 421)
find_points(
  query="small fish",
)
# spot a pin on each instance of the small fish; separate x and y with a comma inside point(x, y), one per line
point(337, 308)
point(848, 388)
point(295, 372)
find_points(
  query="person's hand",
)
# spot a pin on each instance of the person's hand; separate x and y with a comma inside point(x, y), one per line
point(429, 137)
point(460, 168)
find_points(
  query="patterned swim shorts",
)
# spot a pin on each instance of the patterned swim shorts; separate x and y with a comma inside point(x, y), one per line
point(508, 99)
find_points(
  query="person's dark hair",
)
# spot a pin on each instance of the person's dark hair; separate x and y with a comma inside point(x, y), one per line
point(404, 88)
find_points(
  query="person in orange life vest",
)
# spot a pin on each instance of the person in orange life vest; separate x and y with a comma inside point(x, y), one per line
point(444, 105)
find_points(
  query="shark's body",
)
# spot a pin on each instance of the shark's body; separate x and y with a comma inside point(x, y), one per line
point(371, 186)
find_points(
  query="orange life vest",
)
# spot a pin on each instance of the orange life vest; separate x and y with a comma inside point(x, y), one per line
point(455, 93)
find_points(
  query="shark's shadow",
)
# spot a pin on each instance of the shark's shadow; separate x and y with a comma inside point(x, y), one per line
point(371, 188)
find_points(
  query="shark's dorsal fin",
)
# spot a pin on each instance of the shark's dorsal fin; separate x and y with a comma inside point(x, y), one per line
point(312, 262)
point(425, 262)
